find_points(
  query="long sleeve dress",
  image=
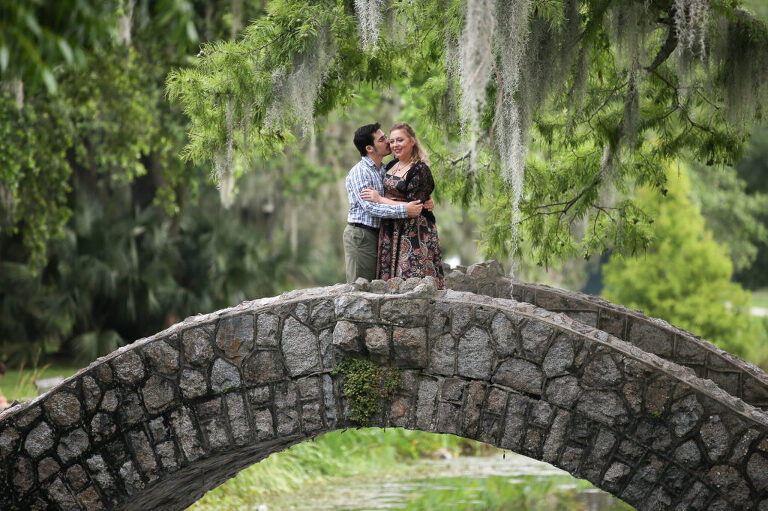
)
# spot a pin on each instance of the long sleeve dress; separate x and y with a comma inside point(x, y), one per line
point(410, 247)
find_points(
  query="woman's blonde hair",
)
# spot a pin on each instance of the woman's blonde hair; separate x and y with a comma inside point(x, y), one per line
point(418, 152)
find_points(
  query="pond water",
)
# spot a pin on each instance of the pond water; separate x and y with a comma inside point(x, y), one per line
point(499, 482)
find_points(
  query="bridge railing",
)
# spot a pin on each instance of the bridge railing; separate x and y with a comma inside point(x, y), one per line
point(735, 376)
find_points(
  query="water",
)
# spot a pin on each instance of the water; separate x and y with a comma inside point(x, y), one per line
point(499, 482)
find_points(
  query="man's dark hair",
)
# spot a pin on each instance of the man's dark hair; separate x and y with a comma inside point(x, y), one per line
point(364, 137)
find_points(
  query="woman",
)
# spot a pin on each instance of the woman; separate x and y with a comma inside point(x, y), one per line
point(408, 247)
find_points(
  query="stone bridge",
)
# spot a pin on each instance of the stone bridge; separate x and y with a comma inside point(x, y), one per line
point(650, 413)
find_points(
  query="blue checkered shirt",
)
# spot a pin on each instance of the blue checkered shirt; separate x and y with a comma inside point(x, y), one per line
point(361, 176)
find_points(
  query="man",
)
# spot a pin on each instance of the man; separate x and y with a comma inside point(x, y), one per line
point(361, 235)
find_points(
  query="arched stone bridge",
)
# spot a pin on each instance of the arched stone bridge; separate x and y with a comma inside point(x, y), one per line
point(158, 423)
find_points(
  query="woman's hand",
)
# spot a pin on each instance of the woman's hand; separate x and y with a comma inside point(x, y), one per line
point(370, 194)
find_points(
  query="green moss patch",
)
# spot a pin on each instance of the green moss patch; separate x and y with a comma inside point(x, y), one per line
point(366, 384)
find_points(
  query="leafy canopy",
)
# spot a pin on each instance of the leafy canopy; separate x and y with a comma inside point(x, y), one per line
point(547, 112)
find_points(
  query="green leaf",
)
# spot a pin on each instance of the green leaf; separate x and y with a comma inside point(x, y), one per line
point(33, 25)
point(192, 31)
point(50, 81)
point(66, 50)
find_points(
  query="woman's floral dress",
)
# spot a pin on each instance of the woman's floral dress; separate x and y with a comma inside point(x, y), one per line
point(410, 247)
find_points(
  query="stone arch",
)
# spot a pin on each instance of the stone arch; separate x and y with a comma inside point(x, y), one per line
point(737, 377)
point(160, 422)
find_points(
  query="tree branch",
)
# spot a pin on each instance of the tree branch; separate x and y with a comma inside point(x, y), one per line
point(567, 205)
point(677, 101)
point(462, 158)
point(665, 51)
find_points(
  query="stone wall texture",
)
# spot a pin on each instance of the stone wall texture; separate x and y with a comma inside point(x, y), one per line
point(652, 335)
point(158, 423)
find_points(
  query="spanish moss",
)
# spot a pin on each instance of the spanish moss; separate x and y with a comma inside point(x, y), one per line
point(512, 41)
point(578, 85)
point(369, 20)
point(571, 34)
point(294, 93)
point(691, 17)
point(476, 54)
point(744, 70)
point(626, 27)
point(512, 135)
point(124, 23)
point(453, 73)
point(224, 173)
point(631, 118)
point(538, 73)
point(607, 162)
point(512, 122)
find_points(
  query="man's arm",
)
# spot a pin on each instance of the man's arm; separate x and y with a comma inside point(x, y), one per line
point(370, 194)
point(356, 182)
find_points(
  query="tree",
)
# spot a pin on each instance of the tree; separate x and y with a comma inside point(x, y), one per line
point(753, 169)
point(95, 137)
point(547, 112)
point(685, 278)
point(93, 107)
point(734, 213)
point(734, 202)
point(36, 37)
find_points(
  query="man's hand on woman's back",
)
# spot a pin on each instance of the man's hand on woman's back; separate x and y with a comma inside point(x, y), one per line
point(414, 208)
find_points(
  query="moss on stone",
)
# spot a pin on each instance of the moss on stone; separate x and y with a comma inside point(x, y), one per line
point(366, 384)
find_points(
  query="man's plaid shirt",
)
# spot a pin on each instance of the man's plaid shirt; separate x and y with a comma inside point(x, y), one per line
point(361, 176)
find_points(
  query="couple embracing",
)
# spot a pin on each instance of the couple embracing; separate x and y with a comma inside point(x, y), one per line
point(391, 230)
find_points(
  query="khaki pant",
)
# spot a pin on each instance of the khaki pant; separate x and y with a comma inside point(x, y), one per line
point(361, 246)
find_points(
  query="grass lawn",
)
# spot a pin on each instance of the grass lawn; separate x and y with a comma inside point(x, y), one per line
point(19, 383)
point(760, 298)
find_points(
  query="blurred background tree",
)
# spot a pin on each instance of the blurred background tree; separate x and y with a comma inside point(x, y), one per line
point(105, 234)
point(753, 170)
point(685, 277)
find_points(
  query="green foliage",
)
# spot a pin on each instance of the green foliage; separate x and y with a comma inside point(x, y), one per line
point(34, 180)
point(735, 216)
point(93, 106)
point(102, 237)
point(753, 169)
point(106, 236)
point(609, 98)
point(366, 384)
point(116, 276)
point(685, 278)
point(37, 36)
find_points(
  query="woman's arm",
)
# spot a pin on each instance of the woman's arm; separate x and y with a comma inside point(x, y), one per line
point(420, 182)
